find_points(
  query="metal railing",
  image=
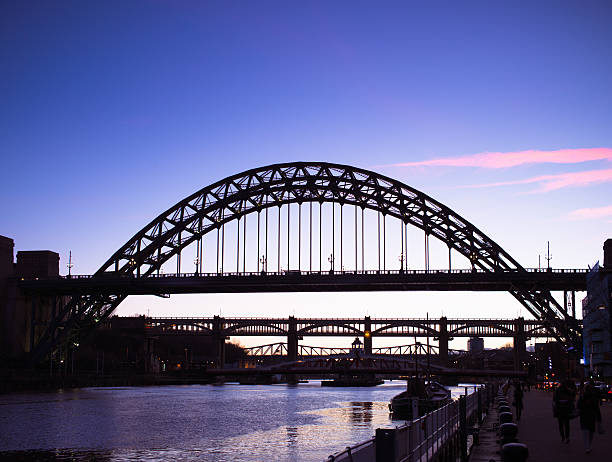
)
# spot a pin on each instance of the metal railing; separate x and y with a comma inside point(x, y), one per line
point(364, 451)
point(298, 272)
point(422, 439)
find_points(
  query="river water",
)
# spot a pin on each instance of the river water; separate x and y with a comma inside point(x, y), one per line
point(229, 422)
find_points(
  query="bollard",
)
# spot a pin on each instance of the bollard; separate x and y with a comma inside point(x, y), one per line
point(508, 432)
point(514, 452)
point(385, 444)
point(505, 417)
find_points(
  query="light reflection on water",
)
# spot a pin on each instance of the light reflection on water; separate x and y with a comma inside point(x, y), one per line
point(188, 423)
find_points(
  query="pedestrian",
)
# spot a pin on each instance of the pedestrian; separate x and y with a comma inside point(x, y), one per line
point(518, 400)
point(563, 407)
point(589, 409)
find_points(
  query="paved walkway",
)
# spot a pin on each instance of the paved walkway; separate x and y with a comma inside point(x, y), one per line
point(540, 432)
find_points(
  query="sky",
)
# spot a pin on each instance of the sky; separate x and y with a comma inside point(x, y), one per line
point(114, 111)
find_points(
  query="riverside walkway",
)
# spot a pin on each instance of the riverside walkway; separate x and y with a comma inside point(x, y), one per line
point(539, 431)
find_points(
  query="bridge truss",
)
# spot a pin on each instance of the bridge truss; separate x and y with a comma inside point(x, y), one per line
point(286, 187)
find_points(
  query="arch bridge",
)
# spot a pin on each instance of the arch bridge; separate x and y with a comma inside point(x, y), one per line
point(298, 226)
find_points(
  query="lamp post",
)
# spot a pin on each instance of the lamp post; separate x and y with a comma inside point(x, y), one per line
point(196, 262)
point(70, 265)
point(263, 262)
point(330, 259)
point(132, 264)
point(473, 258)
point(401, 260)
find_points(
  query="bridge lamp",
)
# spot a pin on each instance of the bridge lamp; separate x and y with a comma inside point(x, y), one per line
point(263, 262)
point(367, 334)
point(473, 258)
point(196, 262)
point(69, 265)
point(401, 259)
point(330, 259)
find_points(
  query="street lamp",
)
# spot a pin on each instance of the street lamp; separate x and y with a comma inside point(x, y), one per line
point(330, 259)
point(132, 264)
point(401, 260)
point(70, 265)
point(263, 262)
point(473, 258)
point(196, 262)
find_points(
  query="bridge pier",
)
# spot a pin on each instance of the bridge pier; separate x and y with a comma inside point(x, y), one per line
point(367, 336)
point(292, 340)
point(150, 358)
point(443, 339)
point(219, 341)
point(520, 343)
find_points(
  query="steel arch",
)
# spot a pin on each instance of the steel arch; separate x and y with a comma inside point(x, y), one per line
point(299, 182)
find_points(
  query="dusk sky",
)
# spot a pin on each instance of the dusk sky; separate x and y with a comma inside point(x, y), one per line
point(111, 112)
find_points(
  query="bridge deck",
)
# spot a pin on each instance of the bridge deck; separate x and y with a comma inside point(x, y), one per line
point(311, 281)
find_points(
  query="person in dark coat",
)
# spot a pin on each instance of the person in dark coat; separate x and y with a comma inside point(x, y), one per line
point(563, 406)
point(518, 400)
point(588, 405)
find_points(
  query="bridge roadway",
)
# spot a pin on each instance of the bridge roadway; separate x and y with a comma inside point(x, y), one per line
point(310, 281)
point(294, 329)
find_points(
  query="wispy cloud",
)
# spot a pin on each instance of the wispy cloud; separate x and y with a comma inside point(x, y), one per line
point(591, 213)
point(514, 159)
point(553, 182)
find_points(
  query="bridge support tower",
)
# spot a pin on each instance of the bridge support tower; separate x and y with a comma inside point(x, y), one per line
point(219, 341)
point(520, 343)
point(292, 340)
point(443, 339)
point(367, 336)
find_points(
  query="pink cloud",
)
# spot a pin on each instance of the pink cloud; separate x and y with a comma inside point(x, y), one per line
point(513, 159)
point(591, 213)
point(553, 182)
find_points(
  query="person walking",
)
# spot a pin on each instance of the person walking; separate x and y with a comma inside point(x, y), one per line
point(563, 406)
point(588, 406)
point(518, 399)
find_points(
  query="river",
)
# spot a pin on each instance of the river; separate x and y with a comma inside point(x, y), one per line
point(230, 422)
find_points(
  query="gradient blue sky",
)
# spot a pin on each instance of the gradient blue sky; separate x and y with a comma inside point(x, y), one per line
point(113, 111)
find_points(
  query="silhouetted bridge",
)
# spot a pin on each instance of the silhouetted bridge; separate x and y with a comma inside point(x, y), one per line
point(353, 365)
point(294, 329)
point(308, 229)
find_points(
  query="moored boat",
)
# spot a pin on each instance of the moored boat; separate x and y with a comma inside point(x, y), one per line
point(428, 396)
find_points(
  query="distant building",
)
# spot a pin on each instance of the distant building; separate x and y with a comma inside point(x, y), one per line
point(21, 322)
point(597, 327)
point(475, 345)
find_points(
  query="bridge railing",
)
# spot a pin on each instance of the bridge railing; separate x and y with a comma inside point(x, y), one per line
point(422, 439)
point(323, 272)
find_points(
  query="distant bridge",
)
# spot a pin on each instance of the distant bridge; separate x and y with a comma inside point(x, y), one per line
point(294, 329)
point(280, 349)
point(353, 365)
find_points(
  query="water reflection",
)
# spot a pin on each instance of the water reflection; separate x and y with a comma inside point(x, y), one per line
point(186, 423)
point(60, 455)
point(361, 412)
